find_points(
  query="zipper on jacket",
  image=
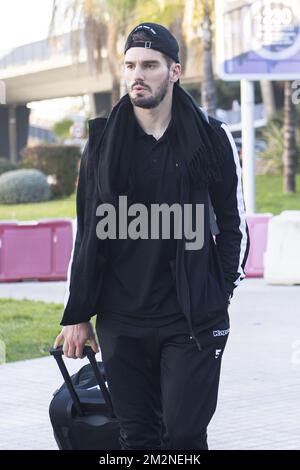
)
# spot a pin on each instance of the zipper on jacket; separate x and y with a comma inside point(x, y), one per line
point(193, 336)
point(188, 304)
point(196, 340)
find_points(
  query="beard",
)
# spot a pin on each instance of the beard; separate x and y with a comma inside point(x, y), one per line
point(151, 101)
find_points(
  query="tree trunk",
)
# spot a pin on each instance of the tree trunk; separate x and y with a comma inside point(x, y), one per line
point(115, 91)
point(267, 93)
point(208, 89)
point(176, 30)
point(289, 141)
point(113, 60)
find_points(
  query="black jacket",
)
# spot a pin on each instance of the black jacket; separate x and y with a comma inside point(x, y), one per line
point(205, 278)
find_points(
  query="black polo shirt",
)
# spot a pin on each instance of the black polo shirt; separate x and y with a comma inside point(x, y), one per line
point(139, 287)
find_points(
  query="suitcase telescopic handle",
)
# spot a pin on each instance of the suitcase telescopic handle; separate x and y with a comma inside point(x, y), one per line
point(57, 353)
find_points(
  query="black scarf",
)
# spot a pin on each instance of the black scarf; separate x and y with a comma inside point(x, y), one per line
point(195, 142)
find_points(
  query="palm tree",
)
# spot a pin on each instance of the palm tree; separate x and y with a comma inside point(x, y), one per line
point(84, 16)
point(168, 13)
point(267, 92)
point(208, 88)
point(189, 21)
point(290, 150)
point(104, 23)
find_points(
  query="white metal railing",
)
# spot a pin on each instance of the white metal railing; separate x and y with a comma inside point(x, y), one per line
point(42, 51)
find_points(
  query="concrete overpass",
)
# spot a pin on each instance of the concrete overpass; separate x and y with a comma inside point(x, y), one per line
point(40, 71)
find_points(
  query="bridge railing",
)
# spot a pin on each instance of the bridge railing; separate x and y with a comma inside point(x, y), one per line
point(41, 51)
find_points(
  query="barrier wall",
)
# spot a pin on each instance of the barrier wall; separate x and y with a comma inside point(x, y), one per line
point(258, 231)
point(282, 257)
point(37, 250)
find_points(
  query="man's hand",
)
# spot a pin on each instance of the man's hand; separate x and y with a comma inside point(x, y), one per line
point(75, 337)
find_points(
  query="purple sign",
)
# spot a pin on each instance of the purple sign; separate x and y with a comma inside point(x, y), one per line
point(258, 39)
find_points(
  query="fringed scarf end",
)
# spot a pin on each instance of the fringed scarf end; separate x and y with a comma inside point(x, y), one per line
point(204, 168)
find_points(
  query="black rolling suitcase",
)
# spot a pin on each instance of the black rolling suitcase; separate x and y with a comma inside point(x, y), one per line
point(81, 412)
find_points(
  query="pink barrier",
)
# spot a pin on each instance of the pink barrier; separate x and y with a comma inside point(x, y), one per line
point(42, 250)
point(258, 231)
point(35, 250)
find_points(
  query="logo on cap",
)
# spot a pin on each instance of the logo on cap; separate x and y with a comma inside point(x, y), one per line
point(143, 26)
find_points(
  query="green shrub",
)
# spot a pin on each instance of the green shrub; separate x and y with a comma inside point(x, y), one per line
point(20, 186)
point(272, 156)
point(273, 134)
point(62, 128)
point(6, 165)
point(59, 161)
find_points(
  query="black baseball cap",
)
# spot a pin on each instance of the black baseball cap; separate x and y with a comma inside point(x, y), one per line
point(160, 39)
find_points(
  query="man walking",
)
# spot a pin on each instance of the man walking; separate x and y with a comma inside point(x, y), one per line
point(161, 302)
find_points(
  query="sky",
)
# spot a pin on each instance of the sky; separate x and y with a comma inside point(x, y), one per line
point(23, 21)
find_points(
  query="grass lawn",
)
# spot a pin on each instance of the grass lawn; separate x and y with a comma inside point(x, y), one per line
point(64, 207)
point(269, 198)
point(28, 328)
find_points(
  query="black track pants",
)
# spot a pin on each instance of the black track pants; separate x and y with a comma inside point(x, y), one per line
point(164, 390)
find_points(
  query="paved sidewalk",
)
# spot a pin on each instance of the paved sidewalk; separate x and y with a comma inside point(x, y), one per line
point(53, 291)
point(258, 404)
